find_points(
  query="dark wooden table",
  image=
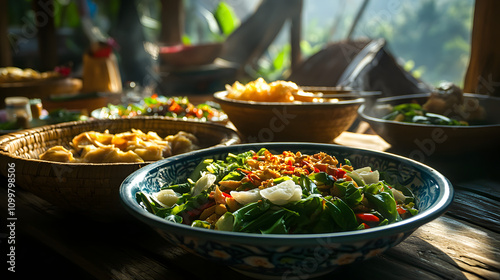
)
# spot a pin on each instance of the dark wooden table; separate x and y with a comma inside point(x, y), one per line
point(462, 244)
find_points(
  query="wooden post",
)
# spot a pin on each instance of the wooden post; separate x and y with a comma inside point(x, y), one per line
point(172, 22)
point(295, 36)
point(483, 74)
point(47, 45)
point(5, 50)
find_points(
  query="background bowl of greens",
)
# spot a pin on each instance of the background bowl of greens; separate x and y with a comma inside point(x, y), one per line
point(288, 255)
point(173, 107)
point(434, 134)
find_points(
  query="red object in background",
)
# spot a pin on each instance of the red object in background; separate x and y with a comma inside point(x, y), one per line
point(102, 52)
point(65, 71)
point(189, 55)
point(173, 49)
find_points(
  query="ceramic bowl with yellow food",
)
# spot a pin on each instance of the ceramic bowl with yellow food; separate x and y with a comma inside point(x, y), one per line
point(281, 111)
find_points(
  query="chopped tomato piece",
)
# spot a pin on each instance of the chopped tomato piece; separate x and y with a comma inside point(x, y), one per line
point(176, 108)
point(400, 210)
point(340, 173)
point(198, 112)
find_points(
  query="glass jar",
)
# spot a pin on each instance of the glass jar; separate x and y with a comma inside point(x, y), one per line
point(18, 109)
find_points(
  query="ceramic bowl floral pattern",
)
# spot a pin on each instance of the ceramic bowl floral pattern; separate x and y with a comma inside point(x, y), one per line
point(293, 255)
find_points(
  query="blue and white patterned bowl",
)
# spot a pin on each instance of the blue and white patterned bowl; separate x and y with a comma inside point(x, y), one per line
point(292, 255)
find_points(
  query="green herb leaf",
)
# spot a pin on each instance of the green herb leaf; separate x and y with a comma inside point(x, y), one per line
point(307, 185)
point(202, 166)
point(342, 214)
point(385, 204)
point(352, 195)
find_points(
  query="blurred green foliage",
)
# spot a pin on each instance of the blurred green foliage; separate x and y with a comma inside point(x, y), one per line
point(226, 17)
point(432, 38)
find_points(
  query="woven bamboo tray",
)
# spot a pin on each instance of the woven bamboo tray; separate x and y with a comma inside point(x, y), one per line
point(89, 189)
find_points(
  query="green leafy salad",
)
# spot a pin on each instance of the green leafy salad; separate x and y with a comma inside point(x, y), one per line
point(414, 113)
point(262, 192)
point(159, 105)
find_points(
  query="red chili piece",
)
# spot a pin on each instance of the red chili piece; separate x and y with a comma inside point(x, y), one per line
point(367, 217)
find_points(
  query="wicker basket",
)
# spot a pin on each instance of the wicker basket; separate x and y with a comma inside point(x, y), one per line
point(89, 189)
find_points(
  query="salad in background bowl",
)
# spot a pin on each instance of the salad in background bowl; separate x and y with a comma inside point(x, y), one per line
point(410, 129)
point(177, 107)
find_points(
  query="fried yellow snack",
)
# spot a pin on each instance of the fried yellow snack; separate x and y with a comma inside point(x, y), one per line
point(130, 146)
point(15, 74)
point(260, 91)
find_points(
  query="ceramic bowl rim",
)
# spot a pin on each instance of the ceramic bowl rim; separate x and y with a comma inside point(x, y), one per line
point(221, 96)
point(362, 113)
point(445, 198)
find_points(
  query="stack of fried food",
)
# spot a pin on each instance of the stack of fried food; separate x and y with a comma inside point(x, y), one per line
point(130, 146)
point(15, 74)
